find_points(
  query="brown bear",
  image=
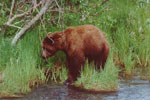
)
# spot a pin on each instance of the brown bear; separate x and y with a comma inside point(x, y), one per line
point(78, 43)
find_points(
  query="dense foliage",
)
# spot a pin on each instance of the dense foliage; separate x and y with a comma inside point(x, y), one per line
point(125, 22)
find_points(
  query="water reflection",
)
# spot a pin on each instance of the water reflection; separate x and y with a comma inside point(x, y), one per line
point(133, 89)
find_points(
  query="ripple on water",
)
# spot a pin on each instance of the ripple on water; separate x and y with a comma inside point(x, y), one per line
point(134, 89)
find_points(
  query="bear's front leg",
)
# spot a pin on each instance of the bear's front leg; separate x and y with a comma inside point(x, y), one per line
point(74, 64)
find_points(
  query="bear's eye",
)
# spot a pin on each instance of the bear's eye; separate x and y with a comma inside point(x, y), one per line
point(49, 41)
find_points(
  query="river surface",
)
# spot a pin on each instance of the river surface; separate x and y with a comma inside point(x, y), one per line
point(132, 89)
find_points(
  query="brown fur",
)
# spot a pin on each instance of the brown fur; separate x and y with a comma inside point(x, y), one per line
point(79, 43)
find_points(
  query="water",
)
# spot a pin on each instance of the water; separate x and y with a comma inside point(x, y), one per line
point(133, 89)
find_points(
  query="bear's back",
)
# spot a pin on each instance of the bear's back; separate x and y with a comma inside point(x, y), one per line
point(85, 37)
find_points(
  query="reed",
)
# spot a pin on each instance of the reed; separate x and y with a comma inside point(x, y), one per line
point(22, 69)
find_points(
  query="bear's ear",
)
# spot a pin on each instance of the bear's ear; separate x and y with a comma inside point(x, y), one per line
point(49, 40)
point(52, 38)
point(57, 35)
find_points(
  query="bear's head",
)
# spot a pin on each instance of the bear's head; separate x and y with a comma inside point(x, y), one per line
point(51, 44)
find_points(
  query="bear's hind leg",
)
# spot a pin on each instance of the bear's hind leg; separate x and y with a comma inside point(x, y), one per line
point(102, 58)
point(98, 63)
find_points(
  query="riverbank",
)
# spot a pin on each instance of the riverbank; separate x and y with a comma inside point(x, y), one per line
point(129, 89)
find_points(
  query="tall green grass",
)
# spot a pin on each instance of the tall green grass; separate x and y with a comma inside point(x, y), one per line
point(22, 68)
point(128, 29)
point(57, 74)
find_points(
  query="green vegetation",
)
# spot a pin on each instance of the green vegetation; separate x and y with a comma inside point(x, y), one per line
point(105, 80)
point(57, 74)
point(22, 68)
point(125, 22)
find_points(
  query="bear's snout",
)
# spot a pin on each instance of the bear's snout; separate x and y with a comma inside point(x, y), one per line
point(43, 56)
